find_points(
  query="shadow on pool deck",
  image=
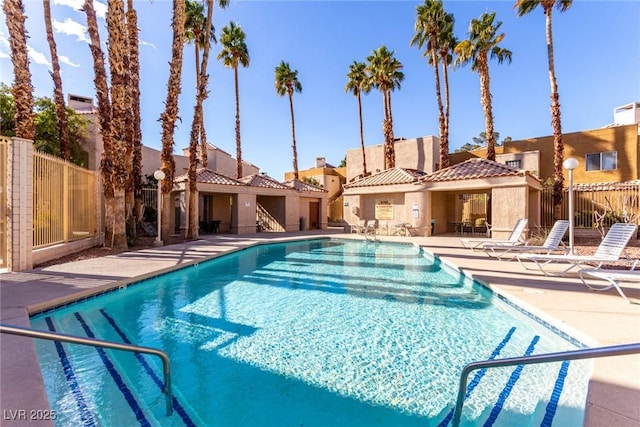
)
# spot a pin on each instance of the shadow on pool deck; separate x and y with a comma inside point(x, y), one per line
point(596, 318)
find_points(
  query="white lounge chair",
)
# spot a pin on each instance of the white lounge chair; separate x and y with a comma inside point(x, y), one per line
point(513, 240)
point(614, 277)
point(359, 227)
point(609, 250)
point(551, 243)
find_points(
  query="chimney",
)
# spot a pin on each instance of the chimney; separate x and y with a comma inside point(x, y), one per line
point(321, 162)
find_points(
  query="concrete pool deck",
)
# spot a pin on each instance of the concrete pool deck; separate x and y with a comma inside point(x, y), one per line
point(595, 318)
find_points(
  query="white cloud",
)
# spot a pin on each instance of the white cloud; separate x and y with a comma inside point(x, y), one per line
point(38, 57)
point(4, 46)
point(4, 55)
point(100, 8)
point(144, 43)
point(66, 60)
point(71, 28)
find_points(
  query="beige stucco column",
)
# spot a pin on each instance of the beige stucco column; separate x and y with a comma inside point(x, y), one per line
point(20, 204)
point(416, 212)
point(508, 204)
point(246, 214)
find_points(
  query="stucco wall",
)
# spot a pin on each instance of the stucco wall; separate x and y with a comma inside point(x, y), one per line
point(416, 153)
point(508, 204)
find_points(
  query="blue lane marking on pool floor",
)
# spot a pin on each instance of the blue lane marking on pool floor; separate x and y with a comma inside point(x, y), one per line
point(85, 414)
point(176, 404)
point(479, 374)
point(504, 394)
point(550, 411)
point(131, 400)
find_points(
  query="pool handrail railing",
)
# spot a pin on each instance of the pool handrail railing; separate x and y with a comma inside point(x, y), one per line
point(587, 353)
point(55, 336)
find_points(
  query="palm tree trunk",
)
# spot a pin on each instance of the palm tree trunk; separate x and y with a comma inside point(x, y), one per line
point(118, 65)
point(485, 98)
point(238, 142)
point(22, 90)
point(293, 138)
point(388, 132)
point(170, 114)
point(444, 153)
point(196, 128)
point(104, 115)
point(136, 141)
point(61, 111)
point(364, 154)
point(558, 146)
point(444, 141)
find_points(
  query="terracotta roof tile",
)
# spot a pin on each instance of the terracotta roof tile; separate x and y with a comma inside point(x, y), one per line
point(473, 168)
point(207, 176)
point(264, 181)
point(296, 184)
point(388, 177)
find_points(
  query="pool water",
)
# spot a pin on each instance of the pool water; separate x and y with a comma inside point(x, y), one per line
point(311, 333)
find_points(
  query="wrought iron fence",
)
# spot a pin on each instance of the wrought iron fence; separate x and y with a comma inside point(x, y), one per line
point(64, 201)
point(596, 204)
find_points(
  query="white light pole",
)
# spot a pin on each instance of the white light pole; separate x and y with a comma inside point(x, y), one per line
point(570, 164)
point(159, 176)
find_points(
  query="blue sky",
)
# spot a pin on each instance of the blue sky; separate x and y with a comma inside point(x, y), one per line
point(597, 53)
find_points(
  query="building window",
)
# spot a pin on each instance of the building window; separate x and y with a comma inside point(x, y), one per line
point(602, 161)
point(514, 163)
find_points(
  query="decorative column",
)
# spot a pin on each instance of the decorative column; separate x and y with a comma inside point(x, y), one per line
point(20, 204)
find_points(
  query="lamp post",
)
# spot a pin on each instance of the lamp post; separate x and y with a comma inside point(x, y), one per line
point(570, 164)
point(159, 176)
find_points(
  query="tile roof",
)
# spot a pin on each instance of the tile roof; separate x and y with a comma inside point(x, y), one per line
point(388, 177)
point(207, 176)
point(296, 184)
point(264, 181)
point(473, 168)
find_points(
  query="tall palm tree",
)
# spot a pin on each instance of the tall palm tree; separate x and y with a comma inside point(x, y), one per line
point(287, 83)
point(104, 113)
point(22, 90)
point(134, 128)
point(483, 43)
point(234, 52)
point(448, 42)
point(358, 83)
point(195, 30)
point(524, 7)
point(170, 113)
point(384, 71)
point(58, 97)
point(430, 21)
point(118, 66)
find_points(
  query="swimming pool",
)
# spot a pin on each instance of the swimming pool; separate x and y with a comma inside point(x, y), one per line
point(314, 333)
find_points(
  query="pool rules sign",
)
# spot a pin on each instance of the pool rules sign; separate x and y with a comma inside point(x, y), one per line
point(384, 209)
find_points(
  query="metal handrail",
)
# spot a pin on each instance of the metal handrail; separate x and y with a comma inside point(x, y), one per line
point(54, 336)
point(588, 353)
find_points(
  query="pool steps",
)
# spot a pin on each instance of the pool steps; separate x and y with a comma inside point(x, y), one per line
point(143, 416)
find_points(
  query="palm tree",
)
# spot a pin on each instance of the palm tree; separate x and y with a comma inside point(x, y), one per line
point(524, 7)
point(170, 113)
point(358, 83)
point(483, 42)
point(431, 20)
point(118, 66)
point(287, 83)
point(385, 75)
point(234, 52)
point(104, 113)
point(448, 42)
point(195, 29)
point(135, 137)
point(58, 97)
point(22, 90)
